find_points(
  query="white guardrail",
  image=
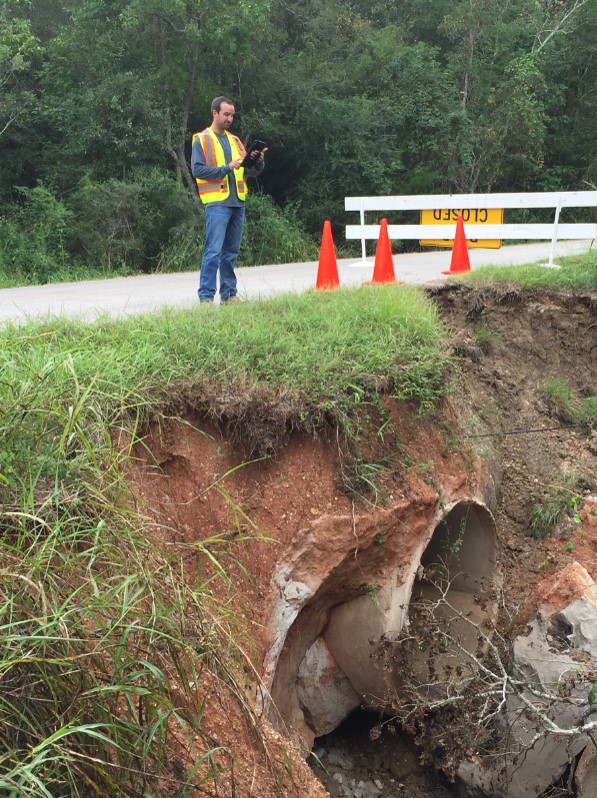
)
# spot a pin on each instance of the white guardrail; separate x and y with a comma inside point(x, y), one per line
point(536, 232)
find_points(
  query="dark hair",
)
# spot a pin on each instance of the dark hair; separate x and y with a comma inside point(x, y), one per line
point(216, 104)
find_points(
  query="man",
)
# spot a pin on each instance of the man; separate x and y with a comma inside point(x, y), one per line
point(216, 166)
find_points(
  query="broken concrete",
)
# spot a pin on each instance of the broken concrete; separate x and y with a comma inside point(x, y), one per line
point(346, 588)
point(324, 692)
point(555, 679)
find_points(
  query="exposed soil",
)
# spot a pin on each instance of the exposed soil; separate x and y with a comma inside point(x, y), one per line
point(528, 338)
point(198, 485)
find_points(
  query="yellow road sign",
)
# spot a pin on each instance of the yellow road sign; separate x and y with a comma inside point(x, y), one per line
point(470, 215)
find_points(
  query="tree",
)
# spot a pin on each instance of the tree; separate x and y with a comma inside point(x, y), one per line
point(353, 97)
point(122, 79)
point(571, 74)
point(353, 107)
point(18, 46)
point(499, 58)
point(19, 54)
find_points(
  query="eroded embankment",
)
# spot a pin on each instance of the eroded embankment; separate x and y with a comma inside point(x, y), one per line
point(332, 572)
point(334, 584)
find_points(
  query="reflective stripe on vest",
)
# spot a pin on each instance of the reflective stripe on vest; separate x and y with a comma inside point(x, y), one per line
point(219, 190)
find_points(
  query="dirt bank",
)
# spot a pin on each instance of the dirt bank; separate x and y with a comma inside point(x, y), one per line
point(509, 343)
point(197, 484)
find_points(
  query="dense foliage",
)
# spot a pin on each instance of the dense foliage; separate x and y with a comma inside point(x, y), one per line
point(100, 98)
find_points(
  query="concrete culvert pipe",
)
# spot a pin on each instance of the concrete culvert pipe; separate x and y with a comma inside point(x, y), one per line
point(346, 648)
point(453, 604)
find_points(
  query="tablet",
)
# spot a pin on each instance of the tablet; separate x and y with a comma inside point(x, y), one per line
point(252, 151)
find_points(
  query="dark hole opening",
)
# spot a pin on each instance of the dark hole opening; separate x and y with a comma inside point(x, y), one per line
point(561, 631)
point(368, 756)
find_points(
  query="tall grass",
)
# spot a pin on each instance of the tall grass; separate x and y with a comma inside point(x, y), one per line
point(97, 629)
point(97, 625)
point(559, 500)
point(103, 636)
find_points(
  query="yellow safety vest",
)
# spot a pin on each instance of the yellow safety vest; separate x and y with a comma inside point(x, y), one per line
point(219, 190)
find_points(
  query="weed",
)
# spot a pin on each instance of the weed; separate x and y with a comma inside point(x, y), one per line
point(407, 460)
point(451, 445)
point(590, 408)
point(567, 404)
point(560, 500)
point(454, 544)
point(381, 536)
point(372, 591)
point(426, 467)
point(485, 337)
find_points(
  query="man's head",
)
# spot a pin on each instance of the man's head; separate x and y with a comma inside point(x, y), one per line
point(222, 111)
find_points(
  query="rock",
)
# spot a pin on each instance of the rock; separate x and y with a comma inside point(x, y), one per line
point(365, 789)
point(570, 583)
point(324, 692)
point(474, 781)
point(581, 618)
point(549, 669)
point(336, 757)
point(585, 775)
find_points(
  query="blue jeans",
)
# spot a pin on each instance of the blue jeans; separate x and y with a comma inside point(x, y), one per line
point(223, 233)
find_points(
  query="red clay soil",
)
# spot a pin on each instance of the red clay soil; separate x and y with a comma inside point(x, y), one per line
point(198, 485)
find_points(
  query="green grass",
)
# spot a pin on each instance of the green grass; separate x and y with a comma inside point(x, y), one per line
point(69, 273)
point(567, 404)
point(90, 639)
point(576, 272)
point(96, 625)
point(324, 351)
point(560, 499)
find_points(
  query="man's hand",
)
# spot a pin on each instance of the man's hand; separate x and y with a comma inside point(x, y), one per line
point(235, 164)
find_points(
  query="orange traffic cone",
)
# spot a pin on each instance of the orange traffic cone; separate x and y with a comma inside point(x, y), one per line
point(383, 269)
point(460, 260)
point(327, 273)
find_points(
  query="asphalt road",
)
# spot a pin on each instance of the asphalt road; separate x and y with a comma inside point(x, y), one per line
point(122, 296)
